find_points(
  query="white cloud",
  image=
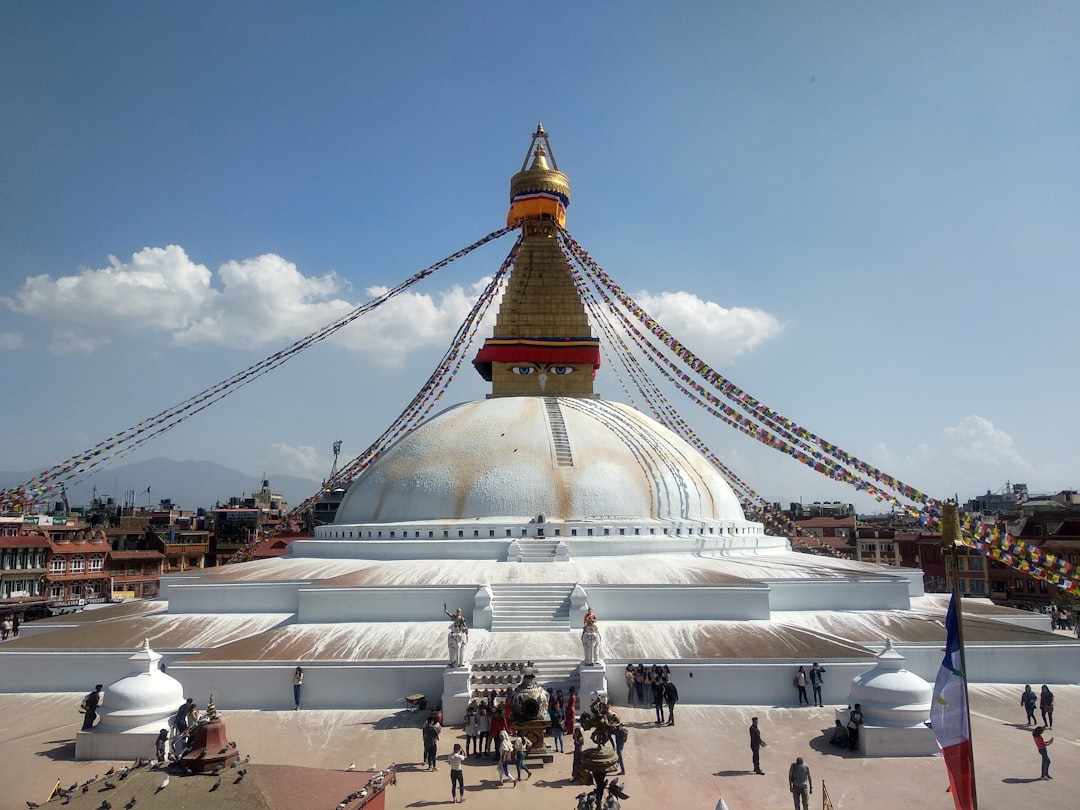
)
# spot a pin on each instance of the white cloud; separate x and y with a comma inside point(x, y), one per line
point(160, 289)
point(722, 333)
point(262, 302)
point(980, 440)
point(10, 341)
point(302, 461)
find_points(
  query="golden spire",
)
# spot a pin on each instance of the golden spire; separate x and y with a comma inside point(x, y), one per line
point(539, 191)
point(542, 344)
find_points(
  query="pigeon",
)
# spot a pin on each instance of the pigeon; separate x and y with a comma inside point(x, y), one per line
point(164, 784)
point(108, 786)
point(242, 772)
point(106, 805)
point(239, 778)
point(32, 805)
point(85, 787)
point(131, 803)
point(67, 794)
point(232, 744)
point(223, 750)
point(247, 758)
point(217, 769)
point(126, 770)
point(235, 762)
point(201, 754)
point(351, 766)
point(215, 786)
point(71, 789)
point(363, 793)
point(111, 771)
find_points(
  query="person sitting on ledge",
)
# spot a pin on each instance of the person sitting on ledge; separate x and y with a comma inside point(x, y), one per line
point(839, 735)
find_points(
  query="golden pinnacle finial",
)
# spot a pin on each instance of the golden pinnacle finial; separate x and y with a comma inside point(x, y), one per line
point(539, 190)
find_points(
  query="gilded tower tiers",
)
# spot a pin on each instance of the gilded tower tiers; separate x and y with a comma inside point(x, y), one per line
point(542, 344)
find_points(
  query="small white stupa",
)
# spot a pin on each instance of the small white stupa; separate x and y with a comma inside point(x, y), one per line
point(133, 711)
point(896, 706)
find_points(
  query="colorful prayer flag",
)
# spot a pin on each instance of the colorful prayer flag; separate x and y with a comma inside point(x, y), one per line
point(949, 717)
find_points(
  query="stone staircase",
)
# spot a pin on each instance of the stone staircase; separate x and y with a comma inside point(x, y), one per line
point(537, 551)
point(559, 438)
point(523, 608)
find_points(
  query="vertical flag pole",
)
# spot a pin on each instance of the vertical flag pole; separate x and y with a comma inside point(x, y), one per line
point(950, 543)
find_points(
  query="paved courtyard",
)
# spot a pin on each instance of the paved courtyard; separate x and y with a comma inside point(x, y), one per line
point(693, 764)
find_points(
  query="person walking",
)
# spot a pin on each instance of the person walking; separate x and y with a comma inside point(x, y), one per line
point(1028, 701)
point(506, 756)
point(430, 734)
point(800, 783)
point(622, 734)
point(297, 686)
point(457, 778)
point(800, 684)
point(1046, 706)
point(756, 744)
point(854, 723)
point(817, 680)
point(90, 706)
point(558, 716)
point(671, 697)
point(521, 750)
point(1040, 746)
point(658, 699)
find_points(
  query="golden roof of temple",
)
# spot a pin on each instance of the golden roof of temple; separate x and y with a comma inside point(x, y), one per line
point(539, 190)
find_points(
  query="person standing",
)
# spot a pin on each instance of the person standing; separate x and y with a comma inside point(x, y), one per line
point(5, 627)
point(800, 684)
point(90, 705)
point(817, 680)
point(483, 731)
point(472, 727)
point(431, 742)
point(571, 710)
point(639, 683)
point(800, 783)
point(557, 718)
point(1028, 701)
point(756, 744)
point(580, 775)
point(658, 699)
point(160, 745)
point(1040, 746)
point(671, 696)
point(1046, 706)
point(854, 723)
point(630, 690)
point(297, 687)
point(457, 778)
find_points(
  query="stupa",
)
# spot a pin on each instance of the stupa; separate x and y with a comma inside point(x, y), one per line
point(133, 711)
point(528, 509)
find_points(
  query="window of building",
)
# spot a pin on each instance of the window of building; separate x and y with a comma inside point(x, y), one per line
point(75, 590)
point(56, 590)
point(1031, 586)
point(97, 563)
point(1042, 586)
point(590, 532)
point(558, 532)
point(975, 563)
point(622, 532)
point(1018, 584)
point(976, 586)
point(607, 532)
point(573, 532)
point(58, 564)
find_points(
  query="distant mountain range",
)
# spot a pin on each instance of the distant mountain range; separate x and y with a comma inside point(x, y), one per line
point(188, 484)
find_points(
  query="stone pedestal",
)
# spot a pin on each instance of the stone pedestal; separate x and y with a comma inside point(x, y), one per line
point(455, 695)
point(593, 678)
point(207, 740)
point(118, 746)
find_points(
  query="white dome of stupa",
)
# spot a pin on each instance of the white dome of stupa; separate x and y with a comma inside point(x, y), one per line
point(891, 695)
point(147, 695)
point(564, 458)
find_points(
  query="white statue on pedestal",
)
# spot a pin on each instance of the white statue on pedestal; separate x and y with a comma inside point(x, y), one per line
point(590, 639)
point(457, 638)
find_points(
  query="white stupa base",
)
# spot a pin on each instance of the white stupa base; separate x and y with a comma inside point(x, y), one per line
point(118, 746)
point(894, 741)
point(593, 678)
point(455, 694)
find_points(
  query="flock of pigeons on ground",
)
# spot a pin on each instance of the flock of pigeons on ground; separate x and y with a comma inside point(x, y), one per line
point(220, 772)
point(114, 776)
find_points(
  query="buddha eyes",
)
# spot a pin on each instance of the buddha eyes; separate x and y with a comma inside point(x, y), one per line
point(560, 371)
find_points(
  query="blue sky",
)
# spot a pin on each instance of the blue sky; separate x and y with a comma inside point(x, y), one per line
point(863, 214)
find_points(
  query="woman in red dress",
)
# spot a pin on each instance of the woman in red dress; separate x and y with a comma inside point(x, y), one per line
point(571, 711)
